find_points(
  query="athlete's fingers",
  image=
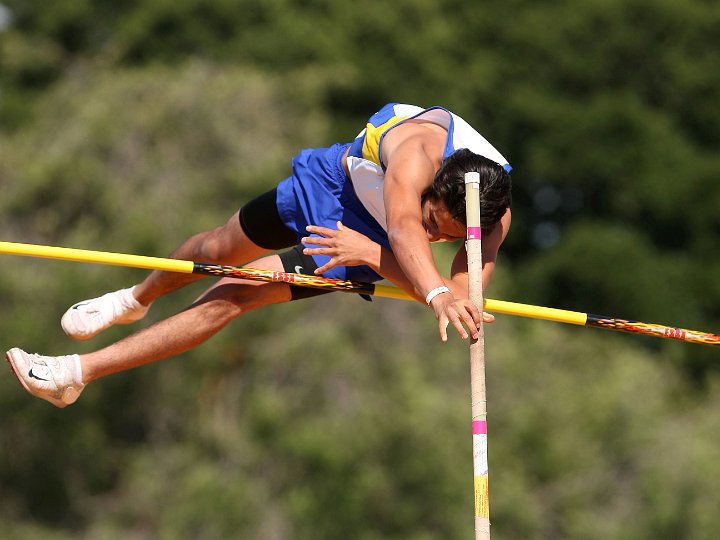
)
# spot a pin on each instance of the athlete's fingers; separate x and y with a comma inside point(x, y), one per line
point(465, 313)
point(442, 327)
point(456, 318)
point(317, 229)
point(473, 312)
point(316, 240)
point(488, 317)
point(318, 251)
point(325, 267)
point(457, 323)
point(470, 322)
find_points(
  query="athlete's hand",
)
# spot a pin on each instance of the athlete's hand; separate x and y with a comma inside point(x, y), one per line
point(460, 312)
point(344, 246)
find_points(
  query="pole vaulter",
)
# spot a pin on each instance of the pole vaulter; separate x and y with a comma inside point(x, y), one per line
point(380, 290)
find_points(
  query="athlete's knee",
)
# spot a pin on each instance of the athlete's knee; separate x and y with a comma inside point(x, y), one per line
point(230, 300)
point(225, 309)
point(215, 246)
point(248, 297)
point(219, 307)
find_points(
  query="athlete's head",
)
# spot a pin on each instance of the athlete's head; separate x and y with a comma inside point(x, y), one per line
point(448, 187)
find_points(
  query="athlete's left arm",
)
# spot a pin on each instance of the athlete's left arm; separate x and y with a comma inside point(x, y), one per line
point(490, 247)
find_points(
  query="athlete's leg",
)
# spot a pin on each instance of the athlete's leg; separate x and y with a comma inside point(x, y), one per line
point(253, 231)
point(227, 244)
point(61, 379)
point(227, 299)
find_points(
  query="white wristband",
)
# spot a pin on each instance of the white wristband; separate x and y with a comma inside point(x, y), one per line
point(432, 294)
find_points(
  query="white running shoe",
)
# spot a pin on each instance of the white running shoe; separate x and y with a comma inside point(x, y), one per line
point(88, 318)
point(56, 379)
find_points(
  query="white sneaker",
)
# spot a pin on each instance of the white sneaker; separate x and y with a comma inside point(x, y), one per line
point(56, 379)
point(88, 318)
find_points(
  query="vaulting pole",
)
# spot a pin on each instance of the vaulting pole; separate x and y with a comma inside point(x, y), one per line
point(477, 361)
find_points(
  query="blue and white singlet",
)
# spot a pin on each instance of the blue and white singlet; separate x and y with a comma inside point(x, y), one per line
point(365, 157)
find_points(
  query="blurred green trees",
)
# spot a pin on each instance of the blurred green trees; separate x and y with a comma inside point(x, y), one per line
point(127, 126)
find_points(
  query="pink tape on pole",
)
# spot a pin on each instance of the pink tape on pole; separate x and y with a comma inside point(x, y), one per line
point(473, 233)
point(479, 427)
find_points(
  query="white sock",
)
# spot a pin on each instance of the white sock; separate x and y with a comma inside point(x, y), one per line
point(128, 299)
point(75, 367)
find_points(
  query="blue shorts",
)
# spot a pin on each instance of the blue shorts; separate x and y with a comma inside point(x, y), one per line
point(320, 193)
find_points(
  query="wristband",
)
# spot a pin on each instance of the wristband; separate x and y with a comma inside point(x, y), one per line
point(432, 294)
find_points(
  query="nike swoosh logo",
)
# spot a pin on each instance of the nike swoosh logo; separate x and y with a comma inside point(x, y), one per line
point(80, 304)
point(33, 376)
point(298, 269)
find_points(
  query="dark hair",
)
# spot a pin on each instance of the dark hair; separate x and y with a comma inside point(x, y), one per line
point(449, 187)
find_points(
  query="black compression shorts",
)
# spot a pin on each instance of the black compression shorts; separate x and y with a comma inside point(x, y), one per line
point(262, 224)
point(293, 260)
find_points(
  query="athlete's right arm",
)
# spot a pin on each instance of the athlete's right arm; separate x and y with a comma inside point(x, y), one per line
point(410, 171)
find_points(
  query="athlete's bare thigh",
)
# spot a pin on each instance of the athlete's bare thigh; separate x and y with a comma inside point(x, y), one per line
point(232, 245)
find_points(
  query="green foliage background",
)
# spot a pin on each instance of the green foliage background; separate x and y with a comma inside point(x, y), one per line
point(127, 126)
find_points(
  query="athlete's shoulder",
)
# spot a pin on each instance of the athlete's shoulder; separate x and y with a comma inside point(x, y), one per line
point(413, 139)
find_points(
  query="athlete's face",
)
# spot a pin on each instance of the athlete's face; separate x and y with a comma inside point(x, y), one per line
point(439, 224)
